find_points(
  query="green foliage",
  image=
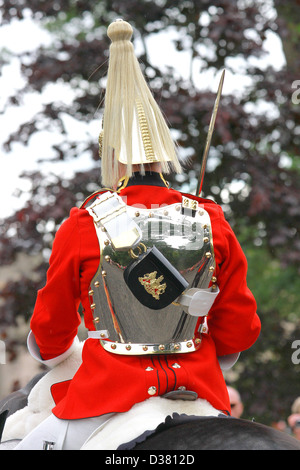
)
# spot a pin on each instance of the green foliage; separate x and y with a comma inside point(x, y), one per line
point(266, 376)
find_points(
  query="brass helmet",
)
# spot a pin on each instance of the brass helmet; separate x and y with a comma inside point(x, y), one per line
point(134, 131)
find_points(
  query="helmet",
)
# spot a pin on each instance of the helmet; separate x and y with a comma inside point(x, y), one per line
point(134, 131)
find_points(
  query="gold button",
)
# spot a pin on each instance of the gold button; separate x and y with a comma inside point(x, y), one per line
point(152, 390)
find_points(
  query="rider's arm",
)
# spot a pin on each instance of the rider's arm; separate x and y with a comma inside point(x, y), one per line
point(232, 321)
point(55, 318)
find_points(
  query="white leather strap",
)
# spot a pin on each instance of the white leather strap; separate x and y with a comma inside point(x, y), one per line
point(110, 214)
point(198, 302)
point(99, 334)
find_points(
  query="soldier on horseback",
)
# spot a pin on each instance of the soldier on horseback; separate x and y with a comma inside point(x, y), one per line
point(161, 279)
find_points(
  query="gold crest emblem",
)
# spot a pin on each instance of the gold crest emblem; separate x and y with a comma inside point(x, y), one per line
point(152, 285)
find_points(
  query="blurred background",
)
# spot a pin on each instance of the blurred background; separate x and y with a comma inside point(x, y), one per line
point(53, 63)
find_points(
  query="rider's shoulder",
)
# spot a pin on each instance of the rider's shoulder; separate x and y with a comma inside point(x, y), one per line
point(89, 199)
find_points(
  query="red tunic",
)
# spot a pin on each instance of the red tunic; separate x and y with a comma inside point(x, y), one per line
point(106, 382)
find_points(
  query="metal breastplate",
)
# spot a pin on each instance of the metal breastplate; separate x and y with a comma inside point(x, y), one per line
point(182, 233)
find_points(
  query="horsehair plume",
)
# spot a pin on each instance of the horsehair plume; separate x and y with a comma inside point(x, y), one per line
point(126, 86)
point(119, 30)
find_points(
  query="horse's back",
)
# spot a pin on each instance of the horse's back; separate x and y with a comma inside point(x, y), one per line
point(212, 433)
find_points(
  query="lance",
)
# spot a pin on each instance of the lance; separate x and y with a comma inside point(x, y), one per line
point(209, 135)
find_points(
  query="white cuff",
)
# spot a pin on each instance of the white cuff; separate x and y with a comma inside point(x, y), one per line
point(228, 361)
point(35, 352)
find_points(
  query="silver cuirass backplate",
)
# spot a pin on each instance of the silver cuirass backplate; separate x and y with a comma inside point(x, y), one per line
point(182, 233)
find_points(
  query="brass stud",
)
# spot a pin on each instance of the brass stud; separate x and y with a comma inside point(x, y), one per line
point(176, 346)
point(211, 269)
point(205, 239)
point(137, 214)
point(107, 258)
point(93, 306)
point(189, 344)
point(128, 347)
point(197, 341)
point(208, 254)
point(102, 335)
point(97, 284)
point(106, 242)
point(145, 348)
point(214, 279)
point(104, 273)
point(161, 347)
point(96, 320)
point(91, 292)
point(113, 346)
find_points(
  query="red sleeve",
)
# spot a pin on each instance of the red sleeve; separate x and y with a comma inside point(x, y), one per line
point(55, 319)
point(232, 321)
